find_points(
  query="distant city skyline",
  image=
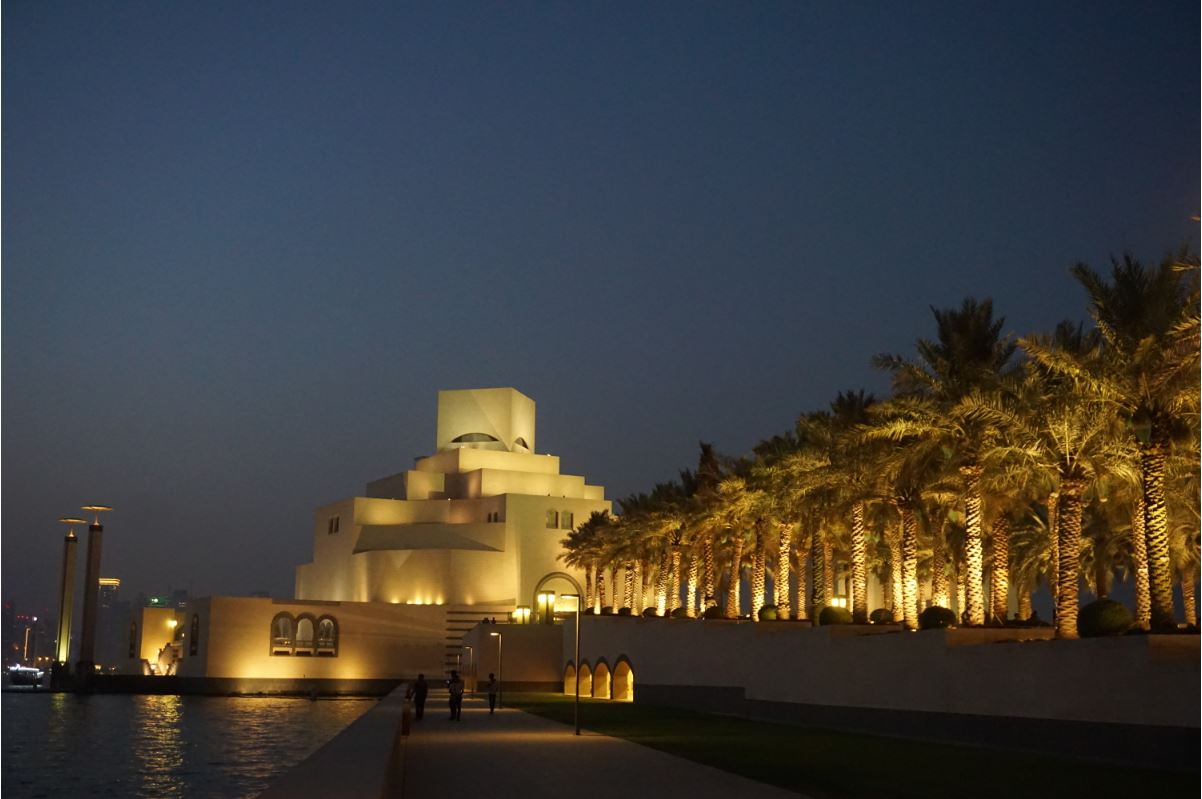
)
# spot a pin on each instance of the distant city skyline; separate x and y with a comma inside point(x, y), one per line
point(245, 246)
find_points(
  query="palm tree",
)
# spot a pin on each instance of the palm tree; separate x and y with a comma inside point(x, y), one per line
point(1147, 319)
point(969, 357)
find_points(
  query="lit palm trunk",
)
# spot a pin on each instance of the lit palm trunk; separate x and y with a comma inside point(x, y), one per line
point(732, 587)
point(828, 569)
point(894, 539)
point(692, 595)
point(801, 604)
point(759, 578)
point(600, 588)
point(711, 590)
point(640, 592)
point(999, 588)
point(939, 572)
point(1189, 598)
point(661, 584)
point(674, 585)
point(1156, 530)
point(628, 585)
point(817, 573)
point(909, 559)
point(590, 596)
point(1054, 537)
point(859, 566)
point(1024, 604)
point(1139, 554)
point(973, 560)
point(780, 585)
point(1069, 525)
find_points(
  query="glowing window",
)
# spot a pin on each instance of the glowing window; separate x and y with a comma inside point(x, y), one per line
point(305, 636)
point(552, 519)
point(282, 627)
point(327, 636)
point(566, 520)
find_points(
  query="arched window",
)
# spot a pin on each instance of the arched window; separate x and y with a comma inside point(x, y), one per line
point(327, 636)
point(305, 635)
point(473, 438)
point(194, 635)
point(282, 630)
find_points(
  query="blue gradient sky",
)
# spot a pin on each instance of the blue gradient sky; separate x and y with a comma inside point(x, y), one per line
point(244, 244)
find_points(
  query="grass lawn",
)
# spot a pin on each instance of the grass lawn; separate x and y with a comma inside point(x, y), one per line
point(835, 764)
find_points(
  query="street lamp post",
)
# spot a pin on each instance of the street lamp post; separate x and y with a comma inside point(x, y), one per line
point(500, 673)
point(471, 664)
point(576, 710)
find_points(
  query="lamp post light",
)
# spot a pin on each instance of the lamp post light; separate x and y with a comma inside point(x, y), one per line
point(91, 593)
point(66, 594)
point(500, 673)
point(576, 710)
point(471, 664)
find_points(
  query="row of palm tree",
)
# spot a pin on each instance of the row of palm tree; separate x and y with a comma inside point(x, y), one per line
point(995, 465)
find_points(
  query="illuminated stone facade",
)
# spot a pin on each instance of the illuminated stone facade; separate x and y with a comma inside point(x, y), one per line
point(477, 523)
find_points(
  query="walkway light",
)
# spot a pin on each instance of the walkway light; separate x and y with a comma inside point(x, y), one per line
point(500, 674)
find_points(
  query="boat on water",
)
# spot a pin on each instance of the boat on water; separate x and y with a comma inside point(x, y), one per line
point(25, 675)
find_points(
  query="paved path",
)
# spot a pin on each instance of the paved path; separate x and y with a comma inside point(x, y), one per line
point(516, 754)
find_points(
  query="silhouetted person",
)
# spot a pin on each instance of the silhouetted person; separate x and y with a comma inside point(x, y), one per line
point(420, 689)
point(455, 686)
point(493, 686)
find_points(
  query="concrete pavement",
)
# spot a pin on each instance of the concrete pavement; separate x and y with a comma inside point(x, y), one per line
point(520, 755)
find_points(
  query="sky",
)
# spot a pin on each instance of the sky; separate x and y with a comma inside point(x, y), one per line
point(245, 244)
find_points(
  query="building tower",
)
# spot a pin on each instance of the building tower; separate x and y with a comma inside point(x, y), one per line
point(91, 592)
point(62, 656)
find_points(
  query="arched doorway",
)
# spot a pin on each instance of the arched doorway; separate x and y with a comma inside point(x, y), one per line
point(569, 680)
point(547, 600)
point(586, 681)
point(623, 682)
point(601, 681)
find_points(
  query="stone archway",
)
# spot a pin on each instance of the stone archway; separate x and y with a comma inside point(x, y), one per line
point(601, 680)
point(586, 681)
point(569, 680)
point(623, 681)
point(559, 583)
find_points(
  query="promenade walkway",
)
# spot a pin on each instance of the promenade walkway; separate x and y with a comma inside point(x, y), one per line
point(515, 754)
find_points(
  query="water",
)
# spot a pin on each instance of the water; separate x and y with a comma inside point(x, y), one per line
point(110, 745)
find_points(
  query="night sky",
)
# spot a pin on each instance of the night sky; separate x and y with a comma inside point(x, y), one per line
point(245, 244)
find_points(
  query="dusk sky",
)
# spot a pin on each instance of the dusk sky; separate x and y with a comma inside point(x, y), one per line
point(245, 244)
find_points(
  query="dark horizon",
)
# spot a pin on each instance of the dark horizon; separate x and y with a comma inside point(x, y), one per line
point(245, 246)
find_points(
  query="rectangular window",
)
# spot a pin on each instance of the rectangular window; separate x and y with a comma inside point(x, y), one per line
point(565, 520)
point(552, 519)
point(332, 525)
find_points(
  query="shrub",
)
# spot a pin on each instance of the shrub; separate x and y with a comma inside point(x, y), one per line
point(1103, 617)
point(881, 616)
point(713, 613)
point(833, 615)
point(623, 611)
point(936, 618)
point(679, 613)
point(590, 611)
point(607, 610)
point(650, 613)
point(769, 613)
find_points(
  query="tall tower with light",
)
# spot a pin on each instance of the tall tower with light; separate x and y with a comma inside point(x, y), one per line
point(91, 592)
point(66, 600)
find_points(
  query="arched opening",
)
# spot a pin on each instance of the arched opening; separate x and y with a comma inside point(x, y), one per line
point(601, 681)
point(623, 682)
point(559, 584)
point(520, 445)
point(306, 635)
point(327, 636)
point(282, 632)
point(586, 681)
point(569, 680)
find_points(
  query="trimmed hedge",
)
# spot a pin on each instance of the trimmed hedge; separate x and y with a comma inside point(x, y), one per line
point(881, 616)
point(623, 611)
point(769, 613)
point(1103, 617)
point(833, 615)
point(936, 618)
point(679, 613)
point(713, 613)
point(607, 610)
point(650, 613)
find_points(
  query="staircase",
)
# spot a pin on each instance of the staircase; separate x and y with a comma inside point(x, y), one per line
point(462, 618)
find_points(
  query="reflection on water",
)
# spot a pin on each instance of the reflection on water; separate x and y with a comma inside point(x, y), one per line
point(66, 745)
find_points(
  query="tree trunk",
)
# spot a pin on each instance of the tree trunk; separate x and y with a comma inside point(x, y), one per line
point(736, 571)
point(674, 584)
point(692, 595)
point(1070, 555)
point(939, 594)
point(1152, 456)
point(817, 575)
point(1054, 538)
point(828, 569)
point(801, 600)
point(1139, 554)
point(999, 587)
point(759, 573)
point(909, 561)
point(859, 566)
point(1024, 604)
point(1189, 597)
point(893, 537)
point(640, 591)
point(661, 584)
point(975, 606)
point(709, 586)
point(590, 597)
point(600, 588)
point(780, 583)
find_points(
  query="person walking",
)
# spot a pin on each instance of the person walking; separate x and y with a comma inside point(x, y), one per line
point(493, 687)
point(455, 686)
point(420, 689)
